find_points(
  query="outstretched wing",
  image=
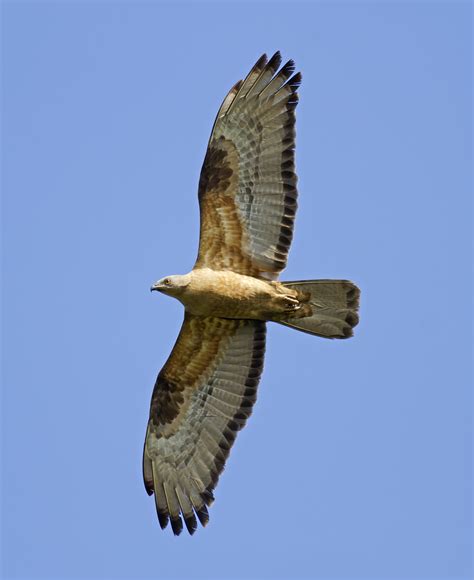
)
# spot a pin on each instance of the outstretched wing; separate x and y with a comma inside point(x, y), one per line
point(247, 188)
point(203, 395)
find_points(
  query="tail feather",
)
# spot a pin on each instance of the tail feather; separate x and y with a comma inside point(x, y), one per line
point(334, 307)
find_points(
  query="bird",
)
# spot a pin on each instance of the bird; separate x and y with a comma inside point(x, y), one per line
point(207, 388)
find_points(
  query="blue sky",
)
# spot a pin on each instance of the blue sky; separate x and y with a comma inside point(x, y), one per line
point(357, 460)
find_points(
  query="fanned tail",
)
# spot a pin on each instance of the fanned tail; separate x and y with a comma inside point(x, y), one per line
point(334, 308)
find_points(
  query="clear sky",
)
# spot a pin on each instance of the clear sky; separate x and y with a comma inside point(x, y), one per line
point(357, 460)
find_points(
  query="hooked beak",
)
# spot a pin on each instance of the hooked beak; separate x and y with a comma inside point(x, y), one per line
point(156, 286)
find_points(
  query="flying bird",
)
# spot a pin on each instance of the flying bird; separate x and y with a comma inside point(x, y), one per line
point(205, 392)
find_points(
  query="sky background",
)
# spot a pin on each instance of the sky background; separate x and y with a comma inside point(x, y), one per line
point(357, 460)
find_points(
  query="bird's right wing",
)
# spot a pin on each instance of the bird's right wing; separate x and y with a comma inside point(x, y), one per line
point(202, 397)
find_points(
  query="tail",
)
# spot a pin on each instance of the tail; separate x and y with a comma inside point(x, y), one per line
point(334, 305)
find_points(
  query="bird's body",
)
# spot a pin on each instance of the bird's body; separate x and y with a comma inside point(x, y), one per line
point(226, 294)
point(206, 390)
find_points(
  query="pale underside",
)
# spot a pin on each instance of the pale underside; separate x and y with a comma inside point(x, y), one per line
point(226, 294)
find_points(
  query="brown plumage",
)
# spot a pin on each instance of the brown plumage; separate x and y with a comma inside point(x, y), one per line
point(205, 392)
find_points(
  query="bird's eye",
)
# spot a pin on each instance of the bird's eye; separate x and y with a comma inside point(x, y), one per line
point(166, 281)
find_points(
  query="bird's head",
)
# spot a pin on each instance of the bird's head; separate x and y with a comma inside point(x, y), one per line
point(172, 285)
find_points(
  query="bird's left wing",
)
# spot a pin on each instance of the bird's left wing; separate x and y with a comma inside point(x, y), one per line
point(247, 188)
point(202, 397)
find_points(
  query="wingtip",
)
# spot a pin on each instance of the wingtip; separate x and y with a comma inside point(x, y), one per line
point(176, 525)
point(148, 483)
point(207, 497)
point(288, 68)
point(191, 523)
point(149, 488)
point(261, 62)
point(295, 81)
point(163, 519)
point(203, 515)
point(275, 60)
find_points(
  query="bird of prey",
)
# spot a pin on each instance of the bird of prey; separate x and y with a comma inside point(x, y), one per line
point(205, 392)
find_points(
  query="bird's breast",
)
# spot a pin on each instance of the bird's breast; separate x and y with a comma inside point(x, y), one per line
point(226, 294)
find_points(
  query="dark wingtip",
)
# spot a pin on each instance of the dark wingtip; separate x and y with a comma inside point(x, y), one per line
point(207, 496)
point(295, 81)
point(236, 87)
point(288, 68)
point(261, 62)
point(148, 487)
point(163, 519)
point(191, 523)
point(203, 515)
point(176, 525)
point(275, 61)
